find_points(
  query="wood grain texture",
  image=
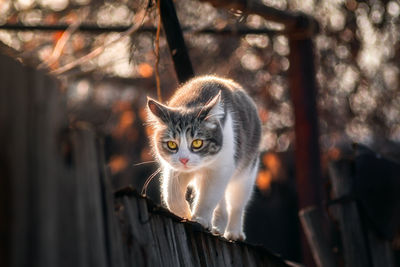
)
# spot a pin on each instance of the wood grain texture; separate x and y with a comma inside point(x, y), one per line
point(354, 243)
point(57, 208)
point(312, 221)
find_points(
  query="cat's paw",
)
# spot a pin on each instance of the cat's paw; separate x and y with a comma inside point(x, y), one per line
point(235, 235)
point(216, 231)
point(204, 222)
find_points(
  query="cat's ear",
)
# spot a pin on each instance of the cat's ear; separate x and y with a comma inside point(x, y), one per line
point(214, 109)
point(158, 110)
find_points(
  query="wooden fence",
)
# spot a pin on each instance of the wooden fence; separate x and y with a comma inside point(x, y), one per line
point(364, 207)
point(56, 204)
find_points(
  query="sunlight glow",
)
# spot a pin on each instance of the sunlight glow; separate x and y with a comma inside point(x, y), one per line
point(56, 5)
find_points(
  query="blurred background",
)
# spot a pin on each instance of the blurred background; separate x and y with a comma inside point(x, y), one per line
point(357, 64)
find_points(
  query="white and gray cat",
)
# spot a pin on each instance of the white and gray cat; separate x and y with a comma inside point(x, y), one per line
point(208, 137)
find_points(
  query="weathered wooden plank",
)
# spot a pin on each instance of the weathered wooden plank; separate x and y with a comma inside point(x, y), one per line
point(193, 245)
point(248, 258)
point(113, 237)
point(5, 183)
point(185, 254)
point(202, 253)
point(205, 249)
point(16, 150)
point(145, 218)
point(381, 250)
point(213, 252)
point(90, 211)
point(170, 234)
point(70, 249)
point(135, 239)
point(353, 239)
point(311, 220)
point(161, 245)
point(123, 224)
point(43, 120)
point(226, 254)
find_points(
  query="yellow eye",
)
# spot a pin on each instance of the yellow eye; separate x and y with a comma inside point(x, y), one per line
point(197, 143)
point(172, 145)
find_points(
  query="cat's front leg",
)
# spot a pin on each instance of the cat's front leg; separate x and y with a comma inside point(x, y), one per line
point(210, 189)
point(220, 218)
point(174, 185)
point(237, 195)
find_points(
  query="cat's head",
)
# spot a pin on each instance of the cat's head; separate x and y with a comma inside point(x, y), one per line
point(187, 139)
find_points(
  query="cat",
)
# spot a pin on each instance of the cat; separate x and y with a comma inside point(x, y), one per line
point(208, 137)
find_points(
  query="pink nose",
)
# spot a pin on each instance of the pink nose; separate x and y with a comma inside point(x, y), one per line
point(184, 160)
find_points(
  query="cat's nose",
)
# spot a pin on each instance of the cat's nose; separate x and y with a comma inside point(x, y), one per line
point(184, 160)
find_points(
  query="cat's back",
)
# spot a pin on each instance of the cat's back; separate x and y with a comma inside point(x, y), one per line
point(200, 90)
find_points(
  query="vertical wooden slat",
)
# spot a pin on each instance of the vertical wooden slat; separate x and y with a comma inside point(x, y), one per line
point(6, 138)
point(193, 245)
point(89, 199)
point(381, 250)
point(135, 236)
point(113, 238)
point(184, 252)
point(17, 153)
point(170, 234)
point(69, 231)
point(42, 124)
point(226, 254)
point(311, 220)
point(353, 239)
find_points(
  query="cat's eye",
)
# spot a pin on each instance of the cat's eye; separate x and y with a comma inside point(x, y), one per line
point(172, 145)
point(197, 143)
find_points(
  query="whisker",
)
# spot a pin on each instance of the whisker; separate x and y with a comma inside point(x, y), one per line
point(213, 115)
point(148, 180)
point(144, 162)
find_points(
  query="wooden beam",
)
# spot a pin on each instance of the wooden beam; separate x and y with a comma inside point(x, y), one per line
point(88, 28)
point(176, 43)
point(303, 93)
point(295, 22)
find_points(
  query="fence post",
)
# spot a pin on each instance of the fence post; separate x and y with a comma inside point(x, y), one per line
point(303, 92)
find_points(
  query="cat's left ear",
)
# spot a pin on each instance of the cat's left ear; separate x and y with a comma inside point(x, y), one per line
point(214, 108)
point(160, 111)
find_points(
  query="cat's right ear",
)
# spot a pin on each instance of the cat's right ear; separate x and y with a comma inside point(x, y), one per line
point(158, 110)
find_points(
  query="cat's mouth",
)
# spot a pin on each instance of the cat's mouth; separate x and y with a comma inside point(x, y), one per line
point(186, 167)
